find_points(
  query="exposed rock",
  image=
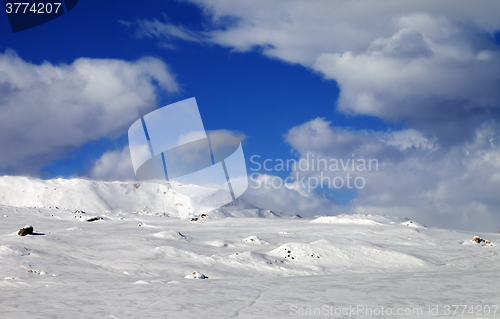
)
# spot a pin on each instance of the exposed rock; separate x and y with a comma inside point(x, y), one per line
point(26, 230)
point(79, 213)
point(196, 275)
point(481, 241)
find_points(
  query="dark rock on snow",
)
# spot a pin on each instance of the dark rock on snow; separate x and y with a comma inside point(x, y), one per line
point(26, 230)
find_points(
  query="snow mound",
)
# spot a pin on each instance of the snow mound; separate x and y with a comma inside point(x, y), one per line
point(256, 240)
point(170, 234)
point(346, 219)
point(216, 243)
point(323, 253)
point(145, 225)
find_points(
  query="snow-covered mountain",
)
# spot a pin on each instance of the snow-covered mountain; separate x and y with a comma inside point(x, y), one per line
point(105, 197)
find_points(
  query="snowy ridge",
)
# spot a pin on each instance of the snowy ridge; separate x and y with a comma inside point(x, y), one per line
point(369, 219)
point(108, 197)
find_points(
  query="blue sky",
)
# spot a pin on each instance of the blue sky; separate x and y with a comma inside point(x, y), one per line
point(414, 85)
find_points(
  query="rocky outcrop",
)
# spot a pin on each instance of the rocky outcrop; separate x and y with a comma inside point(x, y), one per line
point(26, 230)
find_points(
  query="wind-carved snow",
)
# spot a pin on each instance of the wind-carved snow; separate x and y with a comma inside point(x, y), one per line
point(170, 234)
point(13, 251)
point(253, 267)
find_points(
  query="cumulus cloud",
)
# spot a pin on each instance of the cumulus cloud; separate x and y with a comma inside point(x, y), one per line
point(432, 84)
point(454, 187)
point(114, 165)
point(270, 192)
point(48, 110)
point(431, 65)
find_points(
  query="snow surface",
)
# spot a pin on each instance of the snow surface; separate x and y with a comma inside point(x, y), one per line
point(136, 260)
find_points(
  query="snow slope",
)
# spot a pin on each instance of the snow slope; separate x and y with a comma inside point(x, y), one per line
point(140, 263)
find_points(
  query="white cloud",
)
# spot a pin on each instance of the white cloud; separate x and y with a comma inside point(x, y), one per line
point(408, 139)
point(114, 165)
point(167, 31)
point(270, 192)
point(190, 137)
point(430, 64)
point(240, 135)
point(50, 109)
point(454, 187)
